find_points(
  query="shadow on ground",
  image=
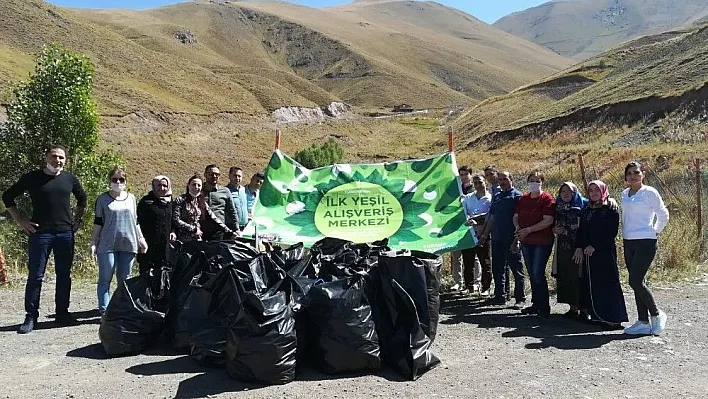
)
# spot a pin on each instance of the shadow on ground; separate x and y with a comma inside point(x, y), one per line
point(554, 331)
point(83, 317)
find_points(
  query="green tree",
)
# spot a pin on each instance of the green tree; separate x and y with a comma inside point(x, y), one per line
point(315, 156)
point(55, 106)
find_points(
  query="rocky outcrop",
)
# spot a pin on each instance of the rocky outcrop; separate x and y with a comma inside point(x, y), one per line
point(335, 110)
point(185, 36)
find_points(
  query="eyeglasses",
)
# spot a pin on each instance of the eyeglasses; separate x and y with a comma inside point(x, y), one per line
point(214, 174)
point(118, 179)
point(477, 182)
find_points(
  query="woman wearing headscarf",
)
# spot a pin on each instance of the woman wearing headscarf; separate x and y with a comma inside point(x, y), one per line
point(596, 252)
point(569, 205)
point(155, 219)
point(190, 211)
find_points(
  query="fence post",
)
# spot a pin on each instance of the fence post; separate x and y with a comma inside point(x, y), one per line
point(277, 139)
point(581, 162)
point(699, 204)
point(451, 139)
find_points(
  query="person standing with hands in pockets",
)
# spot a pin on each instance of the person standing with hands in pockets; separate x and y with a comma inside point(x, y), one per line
point(117, 236)
point(50, 229)
point(644, 217)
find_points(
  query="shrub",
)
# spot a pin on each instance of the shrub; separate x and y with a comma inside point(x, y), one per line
point(313, 157)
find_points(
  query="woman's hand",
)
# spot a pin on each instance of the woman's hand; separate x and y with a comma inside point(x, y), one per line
point(522, 233)
point(578, 256)
point(470, 221)
point(557, 230)
point(142, 245)
point(198, 233)
point(173, 237)
point(589, 250)
point(612, 203)
point(92, 250)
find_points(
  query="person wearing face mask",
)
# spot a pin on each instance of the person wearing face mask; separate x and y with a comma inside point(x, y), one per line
point(533, 221)
point(50, 229)
point(601, 297)
point(155, 219)
point(117, 236)
point(190, 211)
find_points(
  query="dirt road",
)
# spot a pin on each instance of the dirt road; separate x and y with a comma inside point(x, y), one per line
point(486, 352)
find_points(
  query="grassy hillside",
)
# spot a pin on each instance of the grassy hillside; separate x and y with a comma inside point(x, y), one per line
point(644, 78)
point(584, 28)
point(250, 58)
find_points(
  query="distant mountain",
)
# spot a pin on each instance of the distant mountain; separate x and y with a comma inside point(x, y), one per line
point(252, 57)
point(583, 28)
point(647, 77)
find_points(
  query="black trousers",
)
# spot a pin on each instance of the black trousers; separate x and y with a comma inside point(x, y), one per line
point(638, 255)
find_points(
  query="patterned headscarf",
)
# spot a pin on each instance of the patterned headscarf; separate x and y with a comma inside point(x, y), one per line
point(578, 201)
point(604, 192)
point(156, 181)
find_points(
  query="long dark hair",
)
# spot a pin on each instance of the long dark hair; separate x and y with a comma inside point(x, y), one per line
point(201, 202)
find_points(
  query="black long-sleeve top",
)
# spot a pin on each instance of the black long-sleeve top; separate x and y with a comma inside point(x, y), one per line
point(51, 198)
point(598, 227)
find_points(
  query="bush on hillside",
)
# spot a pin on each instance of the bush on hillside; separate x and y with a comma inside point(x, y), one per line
point(315, 156)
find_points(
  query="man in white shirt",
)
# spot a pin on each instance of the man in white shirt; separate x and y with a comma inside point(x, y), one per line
point(476, 205)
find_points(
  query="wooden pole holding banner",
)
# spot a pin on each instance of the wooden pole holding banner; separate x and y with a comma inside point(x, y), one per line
point(583, 176)
point(451, 139)
point(277, 139)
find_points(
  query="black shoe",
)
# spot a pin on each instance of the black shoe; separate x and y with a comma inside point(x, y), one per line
point(496, 301)
point(28, 325)
point(611, 326)
point(66, 319)
point(584, 318)
point(571, 314)
point(529, 310)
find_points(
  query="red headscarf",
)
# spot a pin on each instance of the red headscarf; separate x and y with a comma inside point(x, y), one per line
point(604, 193)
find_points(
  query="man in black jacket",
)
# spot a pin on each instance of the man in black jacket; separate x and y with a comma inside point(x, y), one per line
point(218, 199)
point(51, 229)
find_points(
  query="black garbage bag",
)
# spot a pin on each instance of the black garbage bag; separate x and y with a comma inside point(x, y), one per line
point(231, 251)
point(160, 283)
point(342, 330)
point(259, 273)
point(403, 312)
point(180, 316)
point(214, 302)
point(131, 324)
point(261, 342)
point(289, 257)
point(419, 274)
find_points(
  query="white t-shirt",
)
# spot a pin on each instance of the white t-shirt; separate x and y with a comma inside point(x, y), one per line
point(644, 214)
point(476, 206)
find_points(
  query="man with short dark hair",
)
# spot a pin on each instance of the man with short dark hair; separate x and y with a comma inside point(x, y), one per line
point(51, 229)
point(238, 195)
point(505, 247)
point(490, 174)
point(252, 191)
point(218, 199)
point(476, 206)
point(457, 262)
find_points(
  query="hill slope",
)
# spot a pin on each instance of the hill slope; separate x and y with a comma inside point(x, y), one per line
point(583, 28)
point(648, 76)
point(250, 58)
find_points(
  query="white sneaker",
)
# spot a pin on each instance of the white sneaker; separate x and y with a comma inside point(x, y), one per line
point(638, 328)
point(658, 323)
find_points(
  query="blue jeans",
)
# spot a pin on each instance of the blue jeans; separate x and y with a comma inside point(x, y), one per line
point(501, 258)
point(41, 245)
point(119, 263)
point(536, 258)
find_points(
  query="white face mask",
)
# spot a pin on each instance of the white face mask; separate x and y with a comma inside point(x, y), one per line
point(118, 187)
point(53, 169)
point(535, 187)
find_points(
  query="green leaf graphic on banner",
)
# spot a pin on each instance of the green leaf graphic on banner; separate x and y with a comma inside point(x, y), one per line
point(413, 203)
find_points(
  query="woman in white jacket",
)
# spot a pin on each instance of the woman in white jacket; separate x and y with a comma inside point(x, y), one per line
point(644, 216)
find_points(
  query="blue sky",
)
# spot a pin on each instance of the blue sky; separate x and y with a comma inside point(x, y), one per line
point(486, 10)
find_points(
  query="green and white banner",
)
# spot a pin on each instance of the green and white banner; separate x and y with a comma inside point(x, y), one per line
point(415, 204)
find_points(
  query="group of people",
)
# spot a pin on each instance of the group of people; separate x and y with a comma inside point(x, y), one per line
point(511, 225)
point(508, 224)
point(123, 229)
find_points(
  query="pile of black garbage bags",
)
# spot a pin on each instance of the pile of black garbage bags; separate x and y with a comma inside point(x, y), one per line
point(340, 307)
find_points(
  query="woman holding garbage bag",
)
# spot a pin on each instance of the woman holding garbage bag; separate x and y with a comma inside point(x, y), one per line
point(155, 219)
point(569, 205)
point(117, 236)
point(189, 212)
point(596, 253)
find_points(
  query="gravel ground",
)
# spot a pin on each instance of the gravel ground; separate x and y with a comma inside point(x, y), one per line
point(486, 352)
